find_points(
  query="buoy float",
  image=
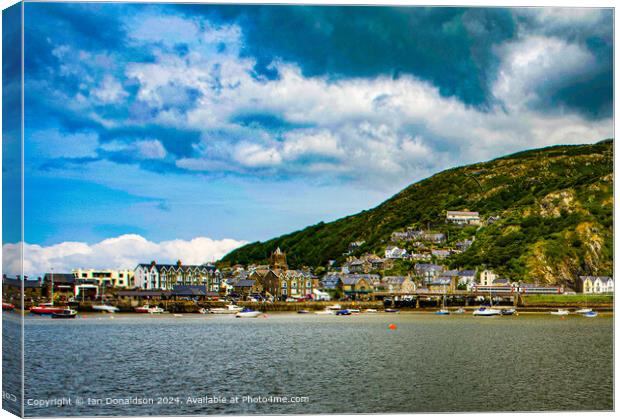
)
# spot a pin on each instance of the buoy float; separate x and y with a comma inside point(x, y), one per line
point(392, 326)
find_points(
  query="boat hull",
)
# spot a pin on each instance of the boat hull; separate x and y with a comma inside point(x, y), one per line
point(43, 311)
point(486, 313)
point(106, 308)
point(248, 314)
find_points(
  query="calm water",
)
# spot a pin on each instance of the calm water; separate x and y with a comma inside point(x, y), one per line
point(341, 364)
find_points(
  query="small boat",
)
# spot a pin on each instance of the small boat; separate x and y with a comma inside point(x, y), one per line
point(47, 308)
point(326, 311)
point(203, 310)
point(460, 310)
point(508, 311)
point(591, 313)
point(559, 312)
point(443, 311)
point(303, 312)
point(229, 309)
point(105, 307)
point(486, 312)
point(370, 310)
point(392, 310)
point(68, 313)
point(344, 312)
point(146, 309)
point(177, 315)
point(334, 307)
point(583, 310)
point(248, 313)
point(7, 307)
point(354, 310)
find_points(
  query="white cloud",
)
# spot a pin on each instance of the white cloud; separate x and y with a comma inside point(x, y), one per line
point(142, 149)
point(255, 155)
point(150, 149)
point(109, 90)
point(368, 129)
point(531, 64)
point(122, 252)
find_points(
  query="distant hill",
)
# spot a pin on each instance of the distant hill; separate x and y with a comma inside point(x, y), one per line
point(555, 209)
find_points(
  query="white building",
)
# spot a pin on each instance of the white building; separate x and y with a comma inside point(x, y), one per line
point(106, 277)
point(463, 217)
point(487, 277)
point(156, 276)
point(596, 284)
point(393, 252)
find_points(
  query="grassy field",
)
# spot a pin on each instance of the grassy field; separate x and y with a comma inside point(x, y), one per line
point(531, 300)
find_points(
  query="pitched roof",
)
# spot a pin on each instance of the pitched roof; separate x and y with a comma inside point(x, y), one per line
point(191, 290)
point(59, 278)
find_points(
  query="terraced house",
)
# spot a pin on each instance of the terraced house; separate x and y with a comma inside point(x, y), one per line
point(280, 282)
point(156, 276)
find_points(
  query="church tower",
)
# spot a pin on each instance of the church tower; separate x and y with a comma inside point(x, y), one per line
point(278, 260)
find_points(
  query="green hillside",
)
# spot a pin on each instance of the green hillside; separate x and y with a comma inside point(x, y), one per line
point(555, 209)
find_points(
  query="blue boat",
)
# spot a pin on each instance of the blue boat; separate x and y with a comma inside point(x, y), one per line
point(590, 314)
point(343, 313)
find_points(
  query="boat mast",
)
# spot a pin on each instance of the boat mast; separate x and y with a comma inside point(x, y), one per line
point(52, 288)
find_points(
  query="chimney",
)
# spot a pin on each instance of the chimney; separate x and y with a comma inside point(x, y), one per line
point(153, 263)
point(179, 263)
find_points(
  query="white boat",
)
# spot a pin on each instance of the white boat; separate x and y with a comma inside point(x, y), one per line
point(590, 313)
point(460, 310)
point(334, 307)
point(486, 312)
point(105, 307)
point(583, 310)
point(326, 311)
point(370, 310)
point(203, 310)
point(443, 311)
point(248, 313)
point(354, 310)
point(230, 309)
point(560, 312)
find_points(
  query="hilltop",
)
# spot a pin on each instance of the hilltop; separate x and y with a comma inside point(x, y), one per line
point(547, 217)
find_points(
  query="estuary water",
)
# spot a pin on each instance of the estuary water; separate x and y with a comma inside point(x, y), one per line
point(291, 363)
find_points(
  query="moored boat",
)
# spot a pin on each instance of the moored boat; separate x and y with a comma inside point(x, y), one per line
point(229, 309)
point(344, 312)
point(68, 313)
point(7, 307)
point(334, 307)
point(106, 308)
point(303, 312)
point(508, 311)
point(583, 310)
point(392, 310)
point(460, 310)
point(370, 310)
point(248, 313)
point(46, 309)
point(559, 312)
point(590, 313)
point(486, 312)
point(326, 311)
point(146, 309)
point(442, 312)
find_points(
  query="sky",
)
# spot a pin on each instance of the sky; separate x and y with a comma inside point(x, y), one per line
point(212, 126)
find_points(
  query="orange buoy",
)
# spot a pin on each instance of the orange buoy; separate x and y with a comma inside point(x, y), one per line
point(392, 326)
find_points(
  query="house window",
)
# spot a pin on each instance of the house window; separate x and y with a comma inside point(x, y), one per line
point(284, 285)
point(308, 284)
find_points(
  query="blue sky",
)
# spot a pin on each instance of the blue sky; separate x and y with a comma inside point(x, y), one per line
point(246, 122)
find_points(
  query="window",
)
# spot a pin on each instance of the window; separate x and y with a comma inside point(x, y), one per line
point(284, 285)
